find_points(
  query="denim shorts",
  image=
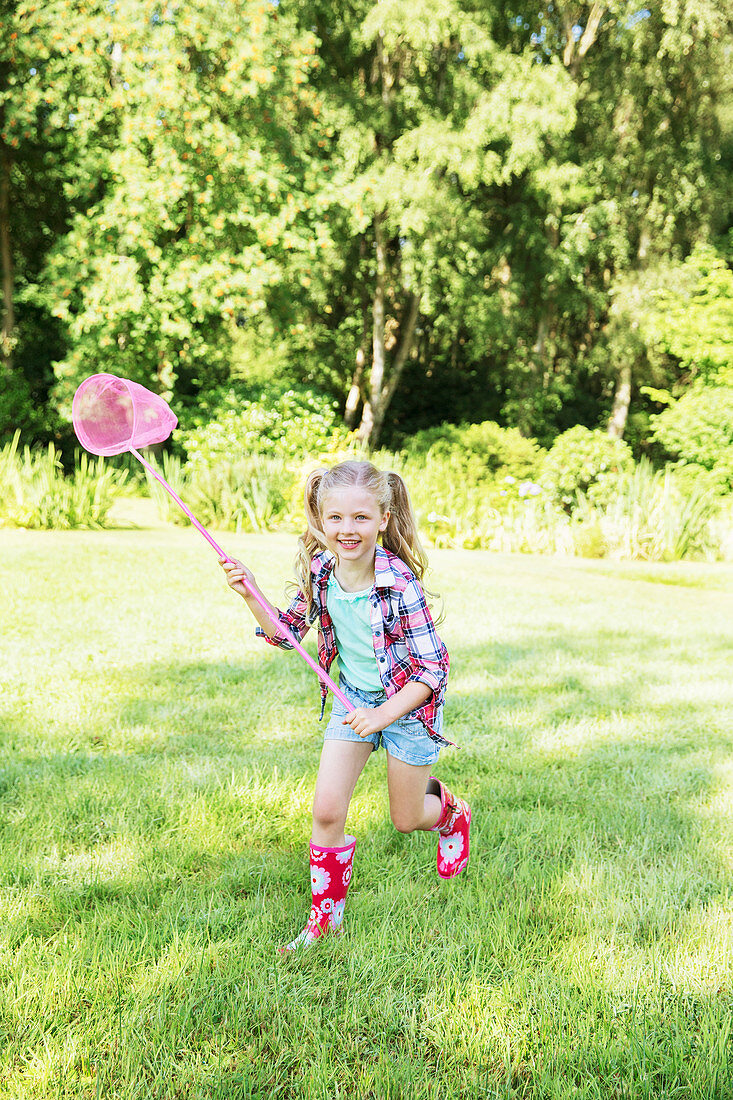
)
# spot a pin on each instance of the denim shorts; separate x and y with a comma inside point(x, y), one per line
point(406, 739)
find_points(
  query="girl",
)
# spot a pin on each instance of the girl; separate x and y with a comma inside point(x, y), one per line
point(371, 612)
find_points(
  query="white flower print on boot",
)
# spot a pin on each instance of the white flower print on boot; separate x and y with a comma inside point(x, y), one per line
point(450, 847)
point(320, 880)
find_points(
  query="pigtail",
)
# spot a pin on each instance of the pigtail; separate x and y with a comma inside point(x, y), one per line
point(312, 540)
point(401, 534)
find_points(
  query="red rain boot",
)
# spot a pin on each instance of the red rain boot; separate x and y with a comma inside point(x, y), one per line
point(453, 825)
point(330, 878)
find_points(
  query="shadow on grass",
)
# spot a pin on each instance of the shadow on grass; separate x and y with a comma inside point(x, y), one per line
point(562, 725)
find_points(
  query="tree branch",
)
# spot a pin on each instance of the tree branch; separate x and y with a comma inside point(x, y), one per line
point(591, 29)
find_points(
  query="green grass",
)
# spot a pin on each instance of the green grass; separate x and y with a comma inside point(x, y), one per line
point(156, 771)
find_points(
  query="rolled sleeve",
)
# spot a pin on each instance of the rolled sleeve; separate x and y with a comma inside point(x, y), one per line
point(431, 677)
point(293, 620)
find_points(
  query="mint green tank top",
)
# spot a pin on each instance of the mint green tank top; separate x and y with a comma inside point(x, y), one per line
point(352, 626)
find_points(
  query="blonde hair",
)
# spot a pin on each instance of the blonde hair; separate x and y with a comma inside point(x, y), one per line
point(391, 495)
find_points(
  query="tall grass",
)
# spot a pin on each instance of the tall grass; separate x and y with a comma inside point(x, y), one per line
point(652, 516)
point(36, 493)
point(253, 494)
point(651, 519)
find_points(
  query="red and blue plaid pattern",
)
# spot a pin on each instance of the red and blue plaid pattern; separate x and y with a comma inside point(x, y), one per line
point(406, 643)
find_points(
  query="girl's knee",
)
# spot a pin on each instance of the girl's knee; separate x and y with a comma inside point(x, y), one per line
point(403, 822)
point(328, 812)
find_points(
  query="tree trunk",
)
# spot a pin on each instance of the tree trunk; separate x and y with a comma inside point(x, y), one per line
point(383, 384)
point(575, 51)
point(356, 390)
point(407, 338)
point(376, 381)
point(378, 405)
point(6, 264)
point(354, 395)
point(621, 402)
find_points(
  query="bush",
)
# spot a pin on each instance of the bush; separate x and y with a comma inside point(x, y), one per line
point(484, 450)
point(585, 462)
point(291, 426)
point(250, 495)
point(698, 431)
point(35, 493)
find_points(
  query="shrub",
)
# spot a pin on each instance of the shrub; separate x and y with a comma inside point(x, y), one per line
point(486, 450)
point(586, 462)
point(698, 431)
point(250, 495)
point(291, 426)
point(651, 517)
point(174, 473)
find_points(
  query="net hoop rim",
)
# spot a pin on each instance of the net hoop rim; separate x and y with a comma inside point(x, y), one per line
point(78, 396)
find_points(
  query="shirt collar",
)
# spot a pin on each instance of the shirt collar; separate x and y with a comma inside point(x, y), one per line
point(323, 563)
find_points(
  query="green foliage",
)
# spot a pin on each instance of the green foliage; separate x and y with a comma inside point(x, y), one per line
point(691, 318)
point(172, 469)
point(698, 430)
point(650, 517)
point(486, 450)
point(35, 492)
point(603, 504)
point(249, 494)
point(586, 462)
point(192, 185)
point(291, 426)
point(181, 174)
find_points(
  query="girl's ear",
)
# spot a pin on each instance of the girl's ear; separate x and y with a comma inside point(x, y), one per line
point(384, 521)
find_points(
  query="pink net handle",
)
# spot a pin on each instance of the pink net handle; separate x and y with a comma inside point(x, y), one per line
point(112, 415)
point(280, 627)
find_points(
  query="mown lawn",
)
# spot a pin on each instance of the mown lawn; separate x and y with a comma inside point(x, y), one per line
point(156, 772)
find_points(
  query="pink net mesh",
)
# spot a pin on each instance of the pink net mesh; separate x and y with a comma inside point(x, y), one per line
point(112, 415)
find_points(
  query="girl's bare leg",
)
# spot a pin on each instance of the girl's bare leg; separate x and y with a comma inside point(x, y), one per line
point(342, 762)
point(410, 806)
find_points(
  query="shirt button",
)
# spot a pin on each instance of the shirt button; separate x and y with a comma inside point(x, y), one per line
point(382, 660)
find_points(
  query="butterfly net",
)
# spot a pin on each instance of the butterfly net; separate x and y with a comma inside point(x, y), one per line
point(112, 415)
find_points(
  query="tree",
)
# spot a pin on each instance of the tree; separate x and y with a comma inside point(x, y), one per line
point(32, 213)
point(429, 115)
point(195, 192)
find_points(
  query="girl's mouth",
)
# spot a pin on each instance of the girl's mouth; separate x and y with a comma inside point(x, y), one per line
point(349, 544)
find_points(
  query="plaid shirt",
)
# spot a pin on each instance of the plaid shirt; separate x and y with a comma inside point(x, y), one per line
point(406, 645)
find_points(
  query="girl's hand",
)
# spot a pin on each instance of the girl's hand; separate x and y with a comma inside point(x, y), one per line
point(365, 721)
point(236, 575)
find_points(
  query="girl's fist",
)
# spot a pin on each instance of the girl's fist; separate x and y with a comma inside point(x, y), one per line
point(237, 574)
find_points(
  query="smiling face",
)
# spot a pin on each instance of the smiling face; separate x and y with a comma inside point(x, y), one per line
point(352, 520)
